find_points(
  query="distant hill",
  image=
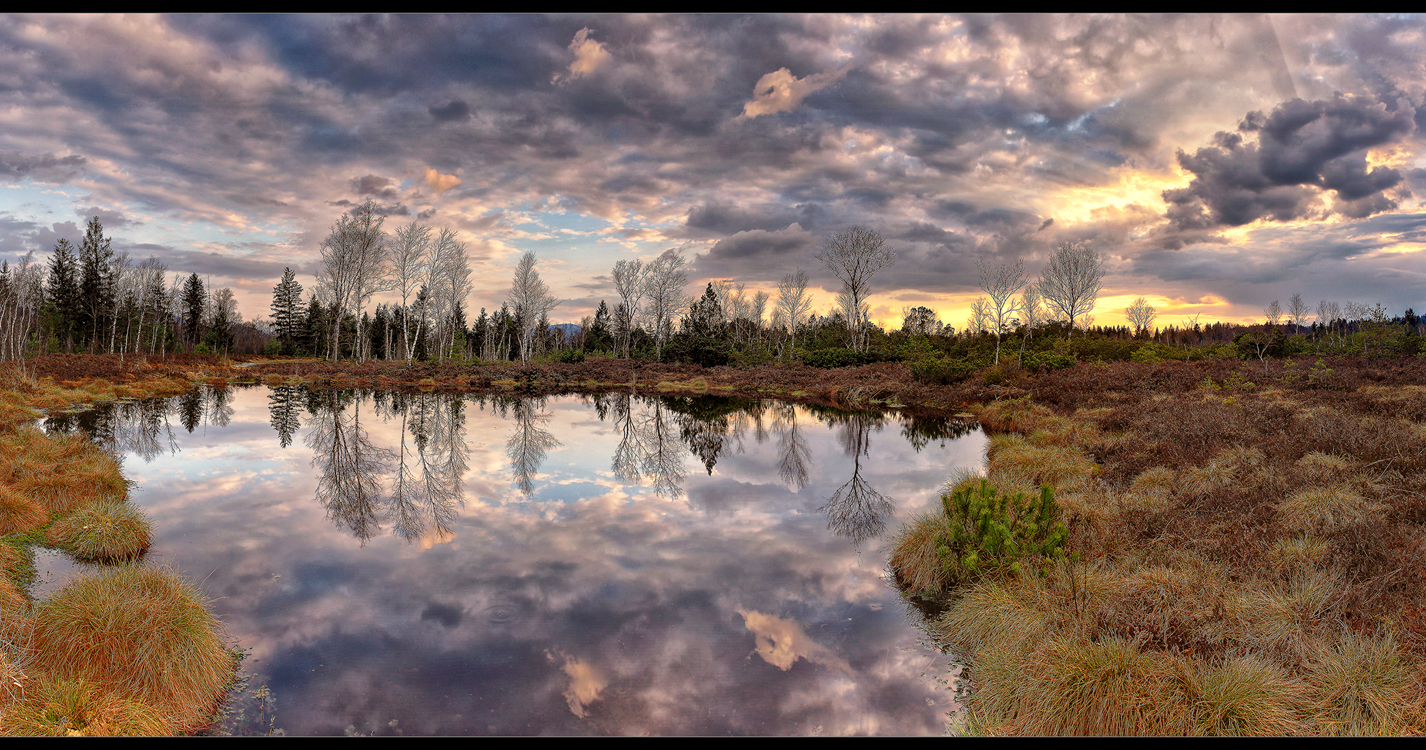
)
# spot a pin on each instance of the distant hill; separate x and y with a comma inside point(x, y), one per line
point(570, 329)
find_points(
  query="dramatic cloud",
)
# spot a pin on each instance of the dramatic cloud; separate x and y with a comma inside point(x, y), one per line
point(780, 91)
point(589, 55)
point(746, 139)
point(1301, 150)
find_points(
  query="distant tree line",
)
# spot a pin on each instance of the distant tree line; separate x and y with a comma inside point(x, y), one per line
point(92, 299)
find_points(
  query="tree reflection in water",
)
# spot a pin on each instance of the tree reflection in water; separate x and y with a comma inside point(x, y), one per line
point(793, 454)
point(856, 510)
point(424, 474)
point(139, 427)
point(349, 461)
point(530, 442)
point(422, 477)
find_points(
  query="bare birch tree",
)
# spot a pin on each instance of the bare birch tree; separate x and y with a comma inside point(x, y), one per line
point(1273, 313)
point(410, 255)
point(1141, 315)
point(1297, 311)
point(979, 321)
point(1001, 283)
point(353, 260)
point(855, 256)
point(1033, 310)
point(1071, 281)
point(629, 283)
point(663, 284)
point(530, 300)
point(793, 303)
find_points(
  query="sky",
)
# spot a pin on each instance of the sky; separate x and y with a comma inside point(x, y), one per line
point(1217, 163)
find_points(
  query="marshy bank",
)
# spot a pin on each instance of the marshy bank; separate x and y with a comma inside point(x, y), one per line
point(1246, 554)
point(1249, 544)
point(129, 648)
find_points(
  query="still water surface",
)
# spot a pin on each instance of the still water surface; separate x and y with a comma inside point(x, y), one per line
point(438, 564)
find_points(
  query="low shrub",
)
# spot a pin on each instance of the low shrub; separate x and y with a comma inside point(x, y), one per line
point(102, 532)
point(1047, 361)
point(990, 530)
point(567, 356)
point(941, 371)
point(707, 352)
point(832, 358)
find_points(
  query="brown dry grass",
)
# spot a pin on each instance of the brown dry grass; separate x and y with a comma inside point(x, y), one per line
point(140, 634)
point(1254, 557)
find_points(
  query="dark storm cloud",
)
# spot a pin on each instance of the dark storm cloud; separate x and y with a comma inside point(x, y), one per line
point(726, 219)
point(213, 263)
point(110, 219)
point(453, 111)
point(1301, 149)
point(15, 166)
point(758, 253)
point(374, 185)
point(18, 237)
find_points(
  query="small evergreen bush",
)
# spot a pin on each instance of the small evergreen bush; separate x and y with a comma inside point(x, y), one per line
point(991, 530)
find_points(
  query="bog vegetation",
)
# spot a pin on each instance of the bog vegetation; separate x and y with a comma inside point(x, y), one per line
point(1181, 529)
point(129, 649)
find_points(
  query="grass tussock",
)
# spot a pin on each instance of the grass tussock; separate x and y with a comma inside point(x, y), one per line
point(102, 532)
point(141, 634)
point(1325, 509)
point(75, 707)
point(1363, 687)
point(61, 473)
point(18, 513)
point(915, 562)
point(1065, 468)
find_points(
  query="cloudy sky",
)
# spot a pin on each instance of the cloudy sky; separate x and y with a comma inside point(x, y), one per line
point(1218, 163)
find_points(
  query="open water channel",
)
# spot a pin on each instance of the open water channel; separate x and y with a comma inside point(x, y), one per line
point(430, 563)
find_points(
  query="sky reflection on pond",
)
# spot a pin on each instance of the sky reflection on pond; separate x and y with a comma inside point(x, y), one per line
point(438, 564)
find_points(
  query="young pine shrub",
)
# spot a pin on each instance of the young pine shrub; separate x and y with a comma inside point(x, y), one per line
point(990, 530)
point(141, 634)
point(102, 532)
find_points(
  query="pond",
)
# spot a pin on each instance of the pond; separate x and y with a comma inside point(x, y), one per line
point(423, 563)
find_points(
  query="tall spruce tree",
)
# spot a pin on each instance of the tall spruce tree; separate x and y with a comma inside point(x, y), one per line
point(287, 310)
point(63, 293)
point(194, 300)
point(96, 283)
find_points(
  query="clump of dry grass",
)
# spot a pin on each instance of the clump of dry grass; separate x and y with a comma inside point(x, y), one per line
point(1244, 696)
point(1110, 687)
point(1288, 620)
point(914, 560)
point(62, 473)
point(143, 634)
point(1020, 415)
point(18, 513)
point(1363, 686)
point(76, 707)
point(103, 532)
point(1325, 509)
point(1064, 468)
